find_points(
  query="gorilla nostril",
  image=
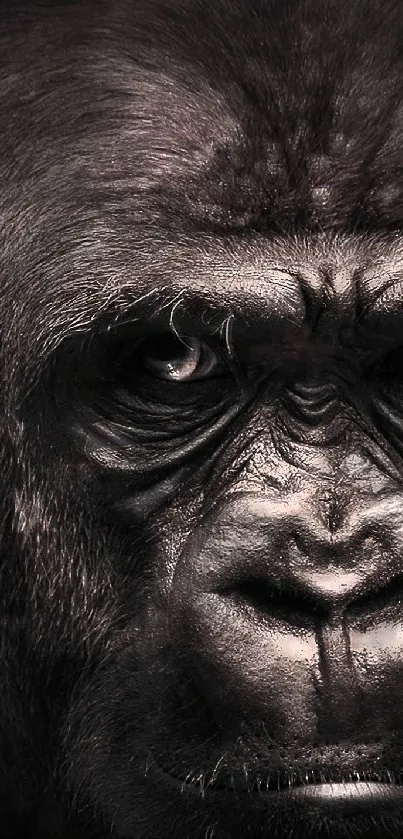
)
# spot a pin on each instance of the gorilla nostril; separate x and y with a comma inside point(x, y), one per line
point(286, 602)
point(381, 599)
point(299, 602)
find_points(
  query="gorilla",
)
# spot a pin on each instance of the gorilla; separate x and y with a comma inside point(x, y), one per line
point(201, 361)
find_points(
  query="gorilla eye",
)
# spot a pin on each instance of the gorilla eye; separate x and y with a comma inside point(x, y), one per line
point(167, 357)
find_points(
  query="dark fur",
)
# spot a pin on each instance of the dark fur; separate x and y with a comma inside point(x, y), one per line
point(141, 143)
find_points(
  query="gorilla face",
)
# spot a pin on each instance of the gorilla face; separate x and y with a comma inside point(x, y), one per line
point(201, 504)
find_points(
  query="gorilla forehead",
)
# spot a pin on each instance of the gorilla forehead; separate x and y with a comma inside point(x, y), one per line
point(261, 115)
point(259, 118)
point(268, 135)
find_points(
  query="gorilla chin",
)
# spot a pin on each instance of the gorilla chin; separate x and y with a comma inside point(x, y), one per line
point(201, 430)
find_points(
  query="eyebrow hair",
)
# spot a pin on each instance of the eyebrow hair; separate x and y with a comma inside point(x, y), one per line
point(254, 285)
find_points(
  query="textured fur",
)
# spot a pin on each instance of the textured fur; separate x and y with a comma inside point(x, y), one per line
point(147, 148)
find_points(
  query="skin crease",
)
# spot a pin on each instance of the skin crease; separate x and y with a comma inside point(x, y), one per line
point(201, 504)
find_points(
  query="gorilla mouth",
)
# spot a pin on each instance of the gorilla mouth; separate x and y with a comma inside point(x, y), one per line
point(365, 805)
point(343, 786)
point(320, 784)
point(331, 799)
point(366, 789)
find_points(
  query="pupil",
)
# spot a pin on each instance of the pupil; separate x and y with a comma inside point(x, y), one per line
point(170, 357)
point(167, 348)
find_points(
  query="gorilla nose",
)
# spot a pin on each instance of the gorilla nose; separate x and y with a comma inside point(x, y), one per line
point(304, 593)
point(321, 573)
point(270, 559)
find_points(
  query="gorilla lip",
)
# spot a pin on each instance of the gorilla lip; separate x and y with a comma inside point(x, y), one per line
point(373, 791)
point(365, 793)
point(349, 796)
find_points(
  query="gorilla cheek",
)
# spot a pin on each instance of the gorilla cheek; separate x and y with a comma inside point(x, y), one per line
point(247, 666)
